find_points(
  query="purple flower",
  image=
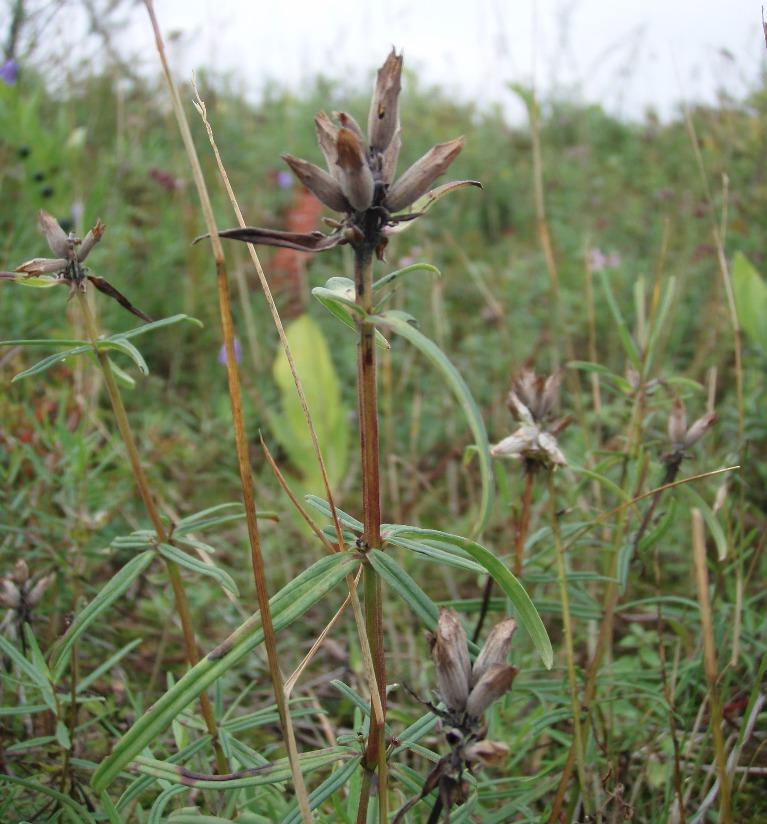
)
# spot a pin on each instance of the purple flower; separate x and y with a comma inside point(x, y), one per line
point(600, 261)
point(9, 72)
point(237, 352)
point(284, 179)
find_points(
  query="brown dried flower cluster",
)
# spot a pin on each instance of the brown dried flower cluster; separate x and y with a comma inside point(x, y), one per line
point(533, 401)
point(66, 268)
point(467, 692)
point(360, 181)
point(20, 594)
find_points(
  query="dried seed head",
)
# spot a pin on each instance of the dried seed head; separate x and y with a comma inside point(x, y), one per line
point(383, 118)
point(57, 238)
point(496, 648)
point(495, 682)
point(324, 187)
point(699, 429)
point(42, 266)
point(486, 753)
point(451, 658)
point(10, 596)
point(327, 135)
point(21, 572)
point(417, 179)
point(677, 423)
point(90, 240)
point(354, 173)
point(38, 590)
point(348, 122)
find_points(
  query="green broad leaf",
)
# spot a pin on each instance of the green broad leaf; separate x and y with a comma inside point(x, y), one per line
point(407, 589)
point(337, 296)
point(322, 389)
point(289, 604)
point(273, 773)
point(151, 327)
point(72, 807)
point(184, 559)
point(109, 593)
point(750, 292)
point(332, 784)
point(402, 326)
point(393, 277)
point(523, 606)
point(322, 506)
point(629, 346)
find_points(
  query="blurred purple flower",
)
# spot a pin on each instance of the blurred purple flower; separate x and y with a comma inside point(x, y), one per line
point(284, 179)
point(237, 352)
point(9, 72)
point(600, 261)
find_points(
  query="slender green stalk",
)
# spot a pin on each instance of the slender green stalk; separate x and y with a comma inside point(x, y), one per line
point(142, 483)
point(564, 599)
point(710, 665)
point(240, 436)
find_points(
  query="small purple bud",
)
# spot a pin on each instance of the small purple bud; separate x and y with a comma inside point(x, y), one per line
point(9, 72)
point(237, 352)
point(284, 179)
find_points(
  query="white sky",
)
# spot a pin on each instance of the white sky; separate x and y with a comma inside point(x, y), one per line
point(625, 55)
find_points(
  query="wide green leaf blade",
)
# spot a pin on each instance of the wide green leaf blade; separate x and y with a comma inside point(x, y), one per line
point(287, 605)
point(109, 593)
point(523, 606)
point(402, 326)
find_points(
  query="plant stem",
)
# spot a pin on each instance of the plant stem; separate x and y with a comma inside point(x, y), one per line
point(182, 604)
point(569, 650)
point(375, 755)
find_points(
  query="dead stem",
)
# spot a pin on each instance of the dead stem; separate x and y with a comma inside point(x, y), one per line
point(240, 437)
point(142, 483)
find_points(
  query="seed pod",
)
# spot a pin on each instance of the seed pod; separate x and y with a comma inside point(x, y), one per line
point(90, 240)
point(383, 118)
point(495, 682)
point(21, 572)
point(354, 173)
point(327, 135)
point(38, 590)
point(451, 658)
point(419, 177)
point(496, 648)
point(54, 234)
point(677, 423)
point(324, 187)
point(699, 429)
point(10, 597)
point(42, 266)
point(487, 753)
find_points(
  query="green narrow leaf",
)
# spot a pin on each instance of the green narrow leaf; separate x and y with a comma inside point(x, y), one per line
point(344, 309)
point(629, 347)
point(660, 321)
point(158, 808)
point(287, 605)
point(109, 593)
point(330, 785)
point(51, 360)
point(392, 277)
point(273, 773)
point(38, 678)
point(712, 522)
point(358, 701)
point(184, 559)
point(407, 589)
point(402, 326)
point(157, 324)
point(523, 606)
point(84, 683)
point(61, 798)
point(445, 555)
point(321, 505)
point(127, 349)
